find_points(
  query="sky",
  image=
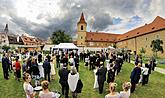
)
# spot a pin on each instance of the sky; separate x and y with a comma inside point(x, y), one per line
point(42, 17)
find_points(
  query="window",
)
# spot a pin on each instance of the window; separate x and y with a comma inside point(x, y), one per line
point(3, 36)
point(81, 37)
point(91, 43)
point(146, 46)
point(146, 38)
point(82, 27)
point(153, 28)
point(157, 36)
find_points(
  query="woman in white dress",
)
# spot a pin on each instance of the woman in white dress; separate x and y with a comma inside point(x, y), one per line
point(126, 90)
point(96, 85)
point(27, 86)
point(41, 69)
point(52, 72)
point(112, 94)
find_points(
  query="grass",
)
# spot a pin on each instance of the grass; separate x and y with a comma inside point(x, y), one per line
point(161, 66)
point(13, 89)
point(146, 59)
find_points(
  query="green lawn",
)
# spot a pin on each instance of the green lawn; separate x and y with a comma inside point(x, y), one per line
point(161, 65)
point(155, 89)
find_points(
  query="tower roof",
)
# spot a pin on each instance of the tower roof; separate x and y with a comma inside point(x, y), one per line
point(6, 28)
point(82, 19)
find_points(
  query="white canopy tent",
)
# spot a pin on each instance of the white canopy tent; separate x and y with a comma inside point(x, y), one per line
point(47, 47)
point(65, 46)
point(110, 48)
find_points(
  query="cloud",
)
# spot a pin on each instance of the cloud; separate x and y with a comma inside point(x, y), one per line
point(42, 17)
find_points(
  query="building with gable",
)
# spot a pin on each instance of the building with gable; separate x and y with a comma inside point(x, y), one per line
point(133, 40)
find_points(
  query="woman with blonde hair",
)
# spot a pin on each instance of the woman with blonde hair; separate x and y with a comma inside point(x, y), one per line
point(112, 94)
point(45, 93)
point(126, 90)
point(27, 86)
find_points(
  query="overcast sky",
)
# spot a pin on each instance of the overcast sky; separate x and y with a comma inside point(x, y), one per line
point(42, 17)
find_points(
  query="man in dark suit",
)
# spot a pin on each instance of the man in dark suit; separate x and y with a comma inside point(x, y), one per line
point(39, 57)
point(48, 57)
point(5, 66)
point(76, 60)
point(101, 77)
point(47, 68)
point(63, 73)
point(135, 76)
point(58, 60)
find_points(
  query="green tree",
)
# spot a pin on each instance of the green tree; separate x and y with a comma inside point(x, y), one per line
point(142, 50)
point(114, 46)
point(5, 48)
point(60, 37)
point(156, 46)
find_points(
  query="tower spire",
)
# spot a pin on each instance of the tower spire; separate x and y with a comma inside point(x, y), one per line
point(82, 19)
point(6, 28)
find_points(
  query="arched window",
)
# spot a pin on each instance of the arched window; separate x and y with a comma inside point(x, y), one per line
point(82, 27)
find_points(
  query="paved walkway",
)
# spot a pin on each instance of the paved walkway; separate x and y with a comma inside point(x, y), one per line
point(157, 69)
point(160, 70)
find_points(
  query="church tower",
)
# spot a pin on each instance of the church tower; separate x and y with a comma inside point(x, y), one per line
point(81, 31)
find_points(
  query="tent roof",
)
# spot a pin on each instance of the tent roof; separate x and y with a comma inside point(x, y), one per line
point(66, 46)
point(47, 47)
point(110, 47)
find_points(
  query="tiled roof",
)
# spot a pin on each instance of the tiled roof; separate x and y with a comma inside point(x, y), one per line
point(157, 24)
point(82, 19)
point(101, 36)
point(28, 39)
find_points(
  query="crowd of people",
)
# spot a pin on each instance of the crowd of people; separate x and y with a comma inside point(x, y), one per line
point(105, 65)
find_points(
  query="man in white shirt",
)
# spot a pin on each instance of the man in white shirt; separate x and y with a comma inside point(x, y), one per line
point(145, 74)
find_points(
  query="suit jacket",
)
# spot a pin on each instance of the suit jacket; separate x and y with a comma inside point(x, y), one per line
point(76, 60)
point(101, 74)
point(135, 75)
point(46, 66)
point(5, 63)
point(63, 73)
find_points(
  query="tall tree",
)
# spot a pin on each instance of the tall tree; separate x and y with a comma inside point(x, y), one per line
point(156, 46)
point(5, 48)
point(60, 37)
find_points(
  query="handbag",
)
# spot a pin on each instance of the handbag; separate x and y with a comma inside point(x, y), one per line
point(79, 86)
